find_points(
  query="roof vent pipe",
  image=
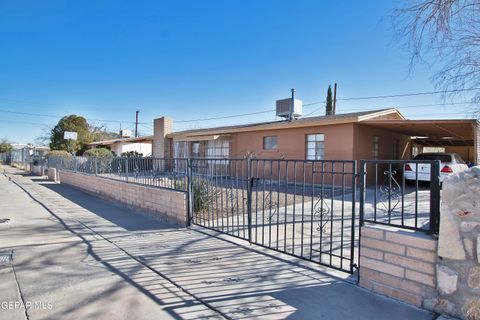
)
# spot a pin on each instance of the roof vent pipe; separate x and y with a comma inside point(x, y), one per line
point(290, 117)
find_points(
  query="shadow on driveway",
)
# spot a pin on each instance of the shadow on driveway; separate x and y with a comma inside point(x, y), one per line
point(106, 209)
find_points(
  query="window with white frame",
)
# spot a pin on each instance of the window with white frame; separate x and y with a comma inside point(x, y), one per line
point(375, 147)
point(315, 146)
point(218, 148)
point(270, 143)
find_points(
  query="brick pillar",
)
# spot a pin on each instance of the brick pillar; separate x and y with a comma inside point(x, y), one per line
point(161, 144)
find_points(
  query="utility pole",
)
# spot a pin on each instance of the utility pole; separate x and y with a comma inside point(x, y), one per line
point(335, 98)
point(136, 123)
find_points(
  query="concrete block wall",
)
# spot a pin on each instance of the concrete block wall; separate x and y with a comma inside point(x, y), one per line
point(168, 205)
point(52, 174)
point(399, 264)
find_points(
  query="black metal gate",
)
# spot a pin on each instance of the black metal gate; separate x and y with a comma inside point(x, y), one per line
point(299, 207)
point(401, 193)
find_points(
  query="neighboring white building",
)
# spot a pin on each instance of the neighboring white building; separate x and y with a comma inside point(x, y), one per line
point(141, 145)
point(26, 152)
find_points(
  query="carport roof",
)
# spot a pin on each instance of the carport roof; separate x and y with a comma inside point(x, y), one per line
point(457, 132)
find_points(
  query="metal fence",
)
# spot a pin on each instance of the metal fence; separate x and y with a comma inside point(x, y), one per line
point(4, 158)
point(303, 208)
point(401, 193)
point(298, 207)
point(156, 172)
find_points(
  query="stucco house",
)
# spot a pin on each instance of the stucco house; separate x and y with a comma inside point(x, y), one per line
point(141, 145)
point(380, 134)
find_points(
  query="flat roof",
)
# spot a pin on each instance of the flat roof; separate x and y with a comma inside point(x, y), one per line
point(435, 133)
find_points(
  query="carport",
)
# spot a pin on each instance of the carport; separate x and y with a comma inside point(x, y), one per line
point(461, 136)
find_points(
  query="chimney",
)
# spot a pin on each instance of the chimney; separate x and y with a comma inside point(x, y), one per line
point(161, 144)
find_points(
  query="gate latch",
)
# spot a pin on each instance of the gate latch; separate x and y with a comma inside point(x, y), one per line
point(253, 181)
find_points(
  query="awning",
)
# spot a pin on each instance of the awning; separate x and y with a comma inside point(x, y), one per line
point(437, 133)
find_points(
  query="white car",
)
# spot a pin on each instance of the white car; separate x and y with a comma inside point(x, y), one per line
point(449, 163)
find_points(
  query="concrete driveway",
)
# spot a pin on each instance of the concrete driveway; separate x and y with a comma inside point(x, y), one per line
point(78, 257)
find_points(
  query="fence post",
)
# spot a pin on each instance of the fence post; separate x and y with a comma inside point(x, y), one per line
point(75, 163)
point(354, 200)
point(249, 197)
point(363, 175)
point(434, 196)
point(96, 167)
point(189, 192)
point(126, 169)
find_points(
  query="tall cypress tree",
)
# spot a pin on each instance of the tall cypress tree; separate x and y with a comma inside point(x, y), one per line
point(329, 106)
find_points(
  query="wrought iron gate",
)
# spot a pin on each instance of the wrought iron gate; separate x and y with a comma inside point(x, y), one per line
point(401, 193)
point(299, 207)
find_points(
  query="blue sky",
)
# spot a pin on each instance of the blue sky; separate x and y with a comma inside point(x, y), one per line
point(197, 59)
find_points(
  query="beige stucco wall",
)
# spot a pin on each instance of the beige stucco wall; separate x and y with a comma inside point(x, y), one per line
point(342, 142)
point(363, 143)
point(292, 142)
point(168, 205)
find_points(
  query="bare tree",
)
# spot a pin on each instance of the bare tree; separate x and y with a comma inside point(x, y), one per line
point(447, 34)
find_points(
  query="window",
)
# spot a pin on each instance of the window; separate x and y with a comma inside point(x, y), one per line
point(270, 143)
point(434, 156)
point(458, 159)
point(180, 149)
point(375, 147)
point(195, 149)
point(315, 146)
point(218, 148)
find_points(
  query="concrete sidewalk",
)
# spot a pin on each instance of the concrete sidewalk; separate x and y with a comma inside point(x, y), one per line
point(91, 259)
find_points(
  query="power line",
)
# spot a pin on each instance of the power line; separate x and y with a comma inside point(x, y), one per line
point(267, 111)
point(422, 105)
point(57, 116)
point(382, 108)
point(408, 94)
point(396, 107)
point(341, 99)
point(225, 117)
point(24, 122)
point(241, 114)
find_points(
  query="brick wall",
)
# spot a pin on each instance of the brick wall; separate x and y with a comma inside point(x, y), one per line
point(399, 264)
point(161, 144)
point(168, 205)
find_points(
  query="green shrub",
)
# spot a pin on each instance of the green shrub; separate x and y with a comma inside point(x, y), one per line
point(131, 154)
point(58, 153)
point(200, 188)
point(98, 152)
